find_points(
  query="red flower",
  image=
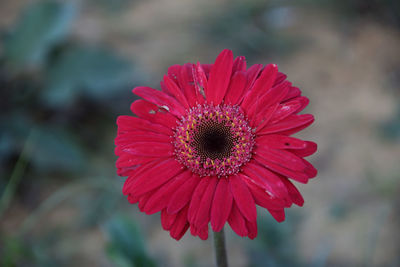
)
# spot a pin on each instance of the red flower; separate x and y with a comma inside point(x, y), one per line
point(213, 143)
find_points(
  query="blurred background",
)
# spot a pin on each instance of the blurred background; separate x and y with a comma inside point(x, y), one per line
point(66, 72)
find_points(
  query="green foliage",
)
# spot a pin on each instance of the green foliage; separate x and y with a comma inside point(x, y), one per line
point(126, 246)
point(56, 148)
point(91, 71)
point(274, 245)
point(391, 128)
point(42, 25)
point(12, 250)
point(251, 27)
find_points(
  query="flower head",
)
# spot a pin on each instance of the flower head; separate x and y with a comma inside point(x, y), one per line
point(214, 143)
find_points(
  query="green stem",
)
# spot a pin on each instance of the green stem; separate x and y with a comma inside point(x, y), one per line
point(220, 250)
point(17, 173)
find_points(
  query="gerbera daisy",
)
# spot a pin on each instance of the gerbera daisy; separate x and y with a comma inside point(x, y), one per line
point(214, 143)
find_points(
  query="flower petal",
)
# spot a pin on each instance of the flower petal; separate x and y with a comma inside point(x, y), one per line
point(299, 176)
point(277, 141)
point(183, 194)
point(128, 124)
point(222, 204)
point(243, 197)
point(279, 215)
point(146, 149)
point(266, 179)
point(294, 194)
point(175, 91)
point(271, 97)
point(153, 113)
point(167, 219)
point(185, 79)
point(281, 157)
point(200, 83)
point(155, 177)
point(261, 86)
point(203, 212)
point(196, 198)
point(180, 225)
point(159, 200)
point(220, 75)
point(161, 99)
point(288, 126)
point(252, 229)
point(239, 64)
point(236, 88)
point(237, 221)
point(310, 149)
point(262, 198)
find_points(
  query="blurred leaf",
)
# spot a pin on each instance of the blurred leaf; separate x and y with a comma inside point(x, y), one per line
point(94, 72)
point(13, 251)
point(274, 245)
point(126, 245)
point(42, 25)
point(55, 150)
point(391, 128)
point(246, 26)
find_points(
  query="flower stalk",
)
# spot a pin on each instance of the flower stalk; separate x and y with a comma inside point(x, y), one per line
point(220, 250)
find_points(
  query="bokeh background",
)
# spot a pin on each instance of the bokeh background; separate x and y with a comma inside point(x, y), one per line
point(66, 72)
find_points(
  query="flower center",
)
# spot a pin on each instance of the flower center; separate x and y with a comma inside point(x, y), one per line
point(213, 140)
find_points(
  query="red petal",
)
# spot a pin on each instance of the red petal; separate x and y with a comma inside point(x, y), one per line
point(252, 229)
point(176, 91)
point(222, 204)
point(280, 77)
point(155, 177)
point(263, 199)
point(236, 88)
point(161, 99)
point(237, 222)
point(185, 79)
point(239, 64)
point(243, 197)
point(294, 194)
point(159, 200)
point(310, 149)
point(167, 219)
point(128, 124)
point(279, 215)
point(126, 160)
point(153, 113)
point(266, 179)
point(203, 232)
point(147, 149)
point(132, 199)
point(140, 136)
point(299, 176)
point(293, 122)
point(285, 110)
point(272, 96)
point(220, 76)
point(281, 157)
point(310, 170)
point(180, 225)
point(196, 198)
point(281, 142)
point(203, 212)
point(200, 83)
point(138, 171)
point(252, 74)
point(293, 92)
point(261, 86)
point(183, 195)
point(263, 118)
